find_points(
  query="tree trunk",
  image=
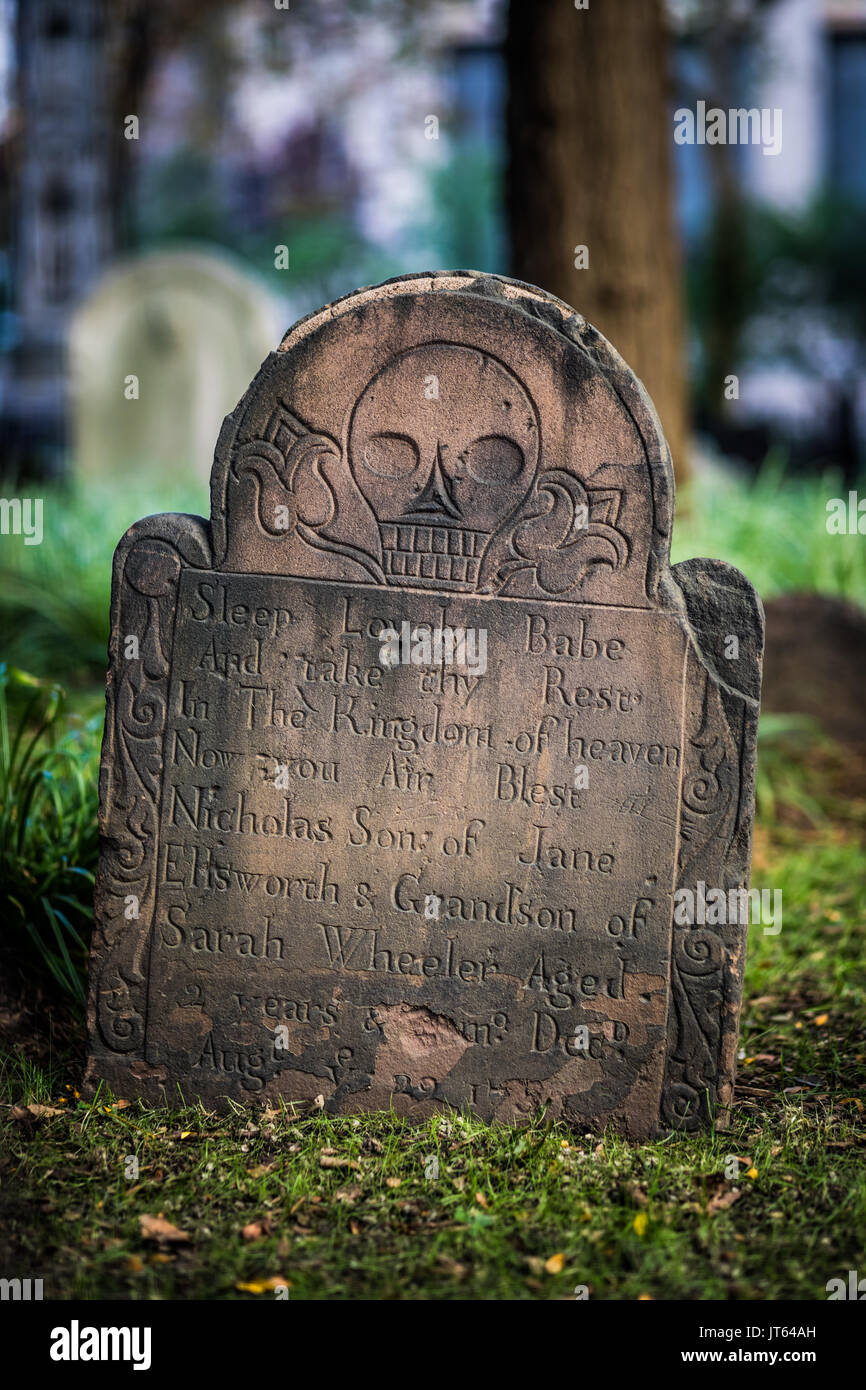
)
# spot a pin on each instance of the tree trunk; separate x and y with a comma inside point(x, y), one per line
point(590, 140)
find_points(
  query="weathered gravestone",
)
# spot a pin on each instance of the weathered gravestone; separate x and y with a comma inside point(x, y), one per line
point(158, 353)
point(329, 870)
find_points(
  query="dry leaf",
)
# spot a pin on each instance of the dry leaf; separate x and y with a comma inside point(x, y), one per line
point(348, 1194)
point(330, 1160)
point(256, 1229)
point(265, 1285)
point(555, 1263)
point(157, 1228)
point(723, 1200)
point(392, 1182)
point(481, 1200)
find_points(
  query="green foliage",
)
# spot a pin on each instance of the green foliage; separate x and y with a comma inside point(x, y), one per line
point(773, 528)
point(48, 831)
point(55, 597)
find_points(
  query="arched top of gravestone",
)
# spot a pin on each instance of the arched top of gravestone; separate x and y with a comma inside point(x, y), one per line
point(456, 431)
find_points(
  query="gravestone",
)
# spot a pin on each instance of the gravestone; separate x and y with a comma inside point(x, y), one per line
point(412, 750)
point(158, 353)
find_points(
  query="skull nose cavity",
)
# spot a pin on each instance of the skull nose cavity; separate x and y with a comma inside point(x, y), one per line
point(436, 498)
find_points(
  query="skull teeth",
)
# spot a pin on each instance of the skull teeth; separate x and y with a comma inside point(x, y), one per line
point(434, 553)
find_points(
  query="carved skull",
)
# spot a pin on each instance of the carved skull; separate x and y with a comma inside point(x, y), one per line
point(443, 443)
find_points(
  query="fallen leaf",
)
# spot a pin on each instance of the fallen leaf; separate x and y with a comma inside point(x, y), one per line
point(135, 1264)
point(40, 1111)
point(276, 1281)
point(157, 1228)
point(392, 1182)
point(554, 1264)
point(256, 1229)
point(348, 1194)
point(481, 1200)
point(723, 1200)
point(330, 1160)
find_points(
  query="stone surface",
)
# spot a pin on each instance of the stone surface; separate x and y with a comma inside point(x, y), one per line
point(192, 328)
point(414, 885)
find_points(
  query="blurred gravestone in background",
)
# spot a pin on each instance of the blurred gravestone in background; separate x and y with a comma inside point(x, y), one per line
point(159, 353)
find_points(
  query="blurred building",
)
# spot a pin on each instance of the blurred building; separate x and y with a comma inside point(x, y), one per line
point(61, 221)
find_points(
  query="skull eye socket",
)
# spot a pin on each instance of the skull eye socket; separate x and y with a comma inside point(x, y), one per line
point(391, 455)
point(494, 460)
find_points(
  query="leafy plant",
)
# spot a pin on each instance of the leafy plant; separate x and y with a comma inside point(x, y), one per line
point(48, 825)
point(55, 597)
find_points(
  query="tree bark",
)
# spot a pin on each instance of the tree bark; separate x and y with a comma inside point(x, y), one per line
point(590, 140)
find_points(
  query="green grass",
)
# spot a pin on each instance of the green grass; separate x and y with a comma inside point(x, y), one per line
point(527, 1213)
point(773, 528)
point(55, 597)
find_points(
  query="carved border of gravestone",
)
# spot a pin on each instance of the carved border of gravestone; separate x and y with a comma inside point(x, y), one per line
point(272, 462)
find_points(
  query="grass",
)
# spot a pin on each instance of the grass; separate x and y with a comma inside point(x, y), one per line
point(773, 528)
point(55, 597)
point(350, 1208)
